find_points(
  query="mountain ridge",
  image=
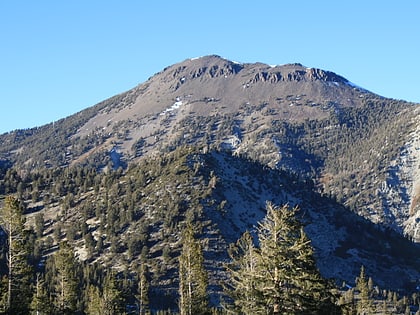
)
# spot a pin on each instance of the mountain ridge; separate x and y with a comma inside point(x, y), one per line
point(210, 140)
point(251, 109)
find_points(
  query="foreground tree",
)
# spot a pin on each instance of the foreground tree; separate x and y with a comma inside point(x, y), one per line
point(192, 276)
point(94, 303)
point(112, 300)
point(40, 304)
point(143, 290)
point(66, 288)
point(244, 277)
point(19, 271)
point(364, 303)
point(281, 277)
point(106, 298)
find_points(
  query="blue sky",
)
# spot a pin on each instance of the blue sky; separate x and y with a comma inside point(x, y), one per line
point(59, 57)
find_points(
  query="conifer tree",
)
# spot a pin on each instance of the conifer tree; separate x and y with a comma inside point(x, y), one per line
point(192, 276)
point(66, 289)
point(143, 290)
point(243, 275)
point(19, 270)
point(94, 303)
point(364, 303)
point(291, 282)
point(285, 279)
point(112, 301)
point(105, 299)
point(40, 304)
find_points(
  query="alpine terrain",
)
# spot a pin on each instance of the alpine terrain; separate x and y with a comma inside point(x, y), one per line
point(211, 145)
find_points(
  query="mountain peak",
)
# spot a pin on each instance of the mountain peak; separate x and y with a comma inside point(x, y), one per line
point(214, 139)
point(211, 66)
point(214, 66)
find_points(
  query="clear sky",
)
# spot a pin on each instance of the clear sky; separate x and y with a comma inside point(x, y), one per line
point(59, 57)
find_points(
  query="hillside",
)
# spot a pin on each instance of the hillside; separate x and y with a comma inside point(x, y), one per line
point(356, 146)
point(210, 141)
point(126, 219)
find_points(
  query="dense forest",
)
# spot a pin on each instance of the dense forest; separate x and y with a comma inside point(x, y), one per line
point(80, 240)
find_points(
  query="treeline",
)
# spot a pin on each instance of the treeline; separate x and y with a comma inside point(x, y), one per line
point(348, 153)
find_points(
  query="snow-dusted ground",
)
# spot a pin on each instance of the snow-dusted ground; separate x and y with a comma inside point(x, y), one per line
point(174, 106)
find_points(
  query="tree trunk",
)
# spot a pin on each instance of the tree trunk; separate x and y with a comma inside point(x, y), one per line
point(10, 265)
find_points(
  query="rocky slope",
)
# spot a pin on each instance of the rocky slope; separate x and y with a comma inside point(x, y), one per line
point(410, 168)
point(356, 146)
point(124, 219)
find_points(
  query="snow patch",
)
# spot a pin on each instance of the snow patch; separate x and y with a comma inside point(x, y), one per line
point(174, 106)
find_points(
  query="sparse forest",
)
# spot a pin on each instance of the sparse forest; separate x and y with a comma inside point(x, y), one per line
point(215, 188)
point(139, 241)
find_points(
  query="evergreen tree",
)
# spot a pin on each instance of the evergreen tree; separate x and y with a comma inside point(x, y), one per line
point(112, 301)
point(19, 270)
point(243, 276)
point(66, 289)
point(192, 276)
point(290, 280)
point(285, 279)
point(39, 225)
point(94, 303)
point(40, 304)
point(143, 290)
point(364, 303)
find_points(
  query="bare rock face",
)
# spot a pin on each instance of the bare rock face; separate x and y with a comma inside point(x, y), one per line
point(318, 74)
point(205, 67)
point(296, 73)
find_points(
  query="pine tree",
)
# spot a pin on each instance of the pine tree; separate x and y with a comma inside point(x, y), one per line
point(112, 301)
point(291, 282)
point(243, 276)
point(284, 278)
point(40, 304)
point(105, 298)
point(192, 276)
point(66, 290)
point(364, 303)
point(19, 270)
point(94, 303)
point(143, 290)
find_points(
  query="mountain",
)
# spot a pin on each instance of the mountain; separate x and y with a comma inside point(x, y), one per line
point(357, 146)
point(213, 139)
